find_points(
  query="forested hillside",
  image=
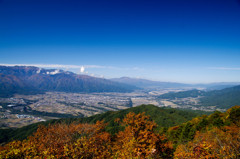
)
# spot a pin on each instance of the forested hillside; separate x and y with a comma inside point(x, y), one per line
point(164, 117)
point(224, 98)
point(213, 136)
point(182, 94)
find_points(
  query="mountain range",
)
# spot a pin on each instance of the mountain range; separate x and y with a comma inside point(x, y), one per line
point(144, 83)
point(29, 80)
point(32, 80)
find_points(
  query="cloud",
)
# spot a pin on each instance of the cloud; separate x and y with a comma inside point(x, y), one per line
point(225, 68)
point(81, 67)
point(58, 66)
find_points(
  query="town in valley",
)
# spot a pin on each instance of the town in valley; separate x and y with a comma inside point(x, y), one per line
point(22, 110)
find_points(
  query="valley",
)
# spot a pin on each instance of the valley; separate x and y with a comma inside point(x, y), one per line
point(22, 110)
point(31, 94)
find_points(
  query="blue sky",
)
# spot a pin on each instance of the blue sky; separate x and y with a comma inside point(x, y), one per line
point(191, 41)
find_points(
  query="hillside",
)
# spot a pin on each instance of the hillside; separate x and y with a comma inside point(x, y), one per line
point(213, 136)
point(29, 80)
point(186, 131)
point(224, 98)
point(164, 117)
point(183, 94)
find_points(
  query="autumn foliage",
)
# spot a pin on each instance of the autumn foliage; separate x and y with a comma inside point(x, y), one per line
point(214, 136)
point(217, 143)
point(52, 141)
point(138, 140)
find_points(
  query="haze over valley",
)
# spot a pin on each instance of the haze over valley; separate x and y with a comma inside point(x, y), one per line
point(31, 94)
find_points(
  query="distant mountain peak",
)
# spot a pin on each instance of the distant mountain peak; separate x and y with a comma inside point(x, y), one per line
point(28, 79)
point(145, 83)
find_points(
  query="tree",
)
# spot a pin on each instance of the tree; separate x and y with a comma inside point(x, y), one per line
point(94, 144)
point(215, 143)
point(138, 140)
point(54, 141)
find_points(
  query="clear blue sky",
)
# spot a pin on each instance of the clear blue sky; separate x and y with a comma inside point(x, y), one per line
point(168, 40)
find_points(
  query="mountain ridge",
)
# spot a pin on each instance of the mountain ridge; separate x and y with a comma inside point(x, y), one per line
point(29, 79)
point(144, 83)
